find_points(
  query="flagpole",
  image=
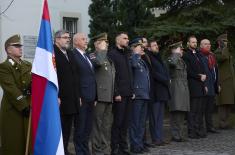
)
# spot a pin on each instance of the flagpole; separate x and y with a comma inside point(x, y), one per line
point(28, 134)
point(30, 114)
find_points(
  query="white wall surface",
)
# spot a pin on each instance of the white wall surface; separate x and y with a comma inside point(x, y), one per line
point(24, 17)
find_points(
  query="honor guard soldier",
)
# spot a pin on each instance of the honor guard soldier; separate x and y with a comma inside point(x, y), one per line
point(15, 80)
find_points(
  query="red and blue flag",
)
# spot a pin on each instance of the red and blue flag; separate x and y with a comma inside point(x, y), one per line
point(46, 124)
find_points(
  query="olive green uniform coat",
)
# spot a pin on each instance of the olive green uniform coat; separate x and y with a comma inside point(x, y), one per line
point(226, 76)
point(105, 75)
point(179, 84)
point(14, 79)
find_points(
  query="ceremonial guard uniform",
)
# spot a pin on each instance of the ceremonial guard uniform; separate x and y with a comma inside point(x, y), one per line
point(15, 80)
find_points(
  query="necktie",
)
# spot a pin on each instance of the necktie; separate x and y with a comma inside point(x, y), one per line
point(66, 55)
point(87, 60)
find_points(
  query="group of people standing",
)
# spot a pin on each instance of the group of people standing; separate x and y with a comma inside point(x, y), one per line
point(109, 95)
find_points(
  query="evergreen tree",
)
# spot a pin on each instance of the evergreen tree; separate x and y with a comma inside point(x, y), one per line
point(103, 18)
point(205, 19)
point(133, 14)
point(112, 16)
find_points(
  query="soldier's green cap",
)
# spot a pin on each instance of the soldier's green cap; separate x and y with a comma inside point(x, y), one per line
point(176, 45)
point(223, 37)
point(100, 37)
point(13, 40)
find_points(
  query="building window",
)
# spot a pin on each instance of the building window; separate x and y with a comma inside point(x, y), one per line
point(70, 24)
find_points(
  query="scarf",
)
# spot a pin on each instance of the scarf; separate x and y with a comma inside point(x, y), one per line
point(210, 56)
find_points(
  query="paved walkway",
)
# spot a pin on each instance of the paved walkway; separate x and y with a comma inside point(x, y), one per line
point(215, 144)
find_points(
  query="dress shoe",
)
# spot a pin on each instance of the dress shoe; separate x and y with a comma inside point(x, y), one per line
point(179, 139)
point(158, 143)
point(125, 152)
point(145, 149)
point(202, 135)
point(176, 139)
point(184, 140)
point(149, 145)
point(165, 142)
point(213, 130)
point(225, 127)
point(137, 150)
point(115, 151)
point(193, 136)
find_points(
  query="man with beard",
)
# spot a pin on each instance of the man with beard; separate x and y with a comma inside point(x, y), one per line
point(147, 60)
point(211, 83)
point(123, 92)
point(105, 75)
point(68, 85)
point(197, 89)
point(161, 93)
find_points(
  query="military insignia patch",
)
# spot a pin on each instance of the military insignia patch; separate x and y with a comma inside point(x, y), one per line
point(11, 61)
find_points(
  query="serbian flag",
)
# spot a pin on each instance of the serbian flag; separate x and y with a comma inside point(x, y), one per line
point(46, 126)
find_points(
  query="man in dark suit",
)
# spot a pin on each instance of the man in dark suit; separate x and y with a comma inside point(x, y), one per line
point(147, 60)
point(87, 86)
point(161, 93)
point(197, 89)
point(68, 85)
point(122, 95)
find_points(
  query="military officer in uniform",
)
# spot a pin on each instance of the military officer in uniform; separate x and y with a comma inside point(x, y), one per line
point(15, 80)
point(141, 84)
point(226, 81)
point(180, 100)
point(105, 74)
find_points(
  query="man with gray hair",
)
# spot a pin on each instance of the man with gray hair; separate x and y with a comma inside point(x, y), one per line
point(68, 85)
point(88, 93)
point(211, 69)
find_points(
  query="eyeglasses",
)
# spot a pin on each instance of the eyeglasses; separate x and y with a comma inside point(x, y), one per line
point(17, 45)
point(65, 37)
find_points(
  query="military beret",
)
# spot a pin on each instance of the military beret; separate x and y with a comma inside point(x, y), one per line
point(135, 42)
point(176, 45)
point(99, 37)
point(13, 40)
point(223, 37)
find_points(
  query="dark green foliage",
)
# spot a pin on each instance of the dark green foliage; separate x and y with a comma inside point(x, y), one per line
point(133, 14)
point(174, 5)
point(112, 16)
point(103, 18)
point(203, 18)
